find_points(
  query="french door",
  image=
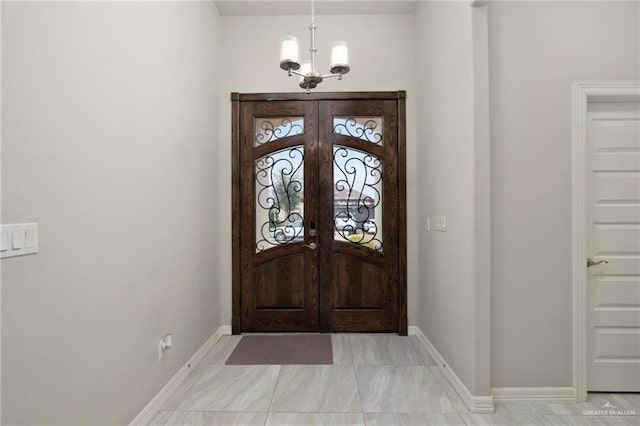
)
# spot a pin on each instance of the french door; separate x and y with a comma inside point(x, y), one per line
point(319, 212)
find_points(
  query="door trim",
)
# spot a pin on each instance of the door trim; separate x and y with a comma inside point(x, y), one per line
point(584, 92)
point(236, 98)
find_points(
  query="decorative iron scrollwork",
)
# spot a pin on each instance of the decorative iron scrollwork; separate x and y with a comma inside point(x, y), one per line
point(357, 197)
point(366, 128)
point(269, 130)
point(279, 194)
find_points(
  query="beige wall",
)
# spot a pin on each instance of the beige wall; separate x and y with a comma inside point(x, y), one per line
point(446, 162)
point(381, 49)
point(537, 50)
point(109, 138)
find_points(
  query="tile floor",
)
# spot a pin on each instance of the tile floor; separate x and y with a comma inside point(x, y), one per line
point(376, 379)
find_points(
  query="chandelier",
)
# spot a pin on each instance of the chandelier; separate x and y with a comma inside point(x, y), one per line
point(309, 76)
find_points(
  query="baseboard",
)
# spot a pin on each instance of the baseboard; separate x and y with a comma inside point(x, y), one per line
point(149, 412)
point(476, 404)
point(533, 394)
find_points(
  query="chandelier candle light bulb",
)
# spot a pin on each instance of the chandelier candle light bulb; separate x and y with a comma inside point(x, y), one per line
point(304, 70)
point(340, 58)
point(309, 76)
point(289, 53)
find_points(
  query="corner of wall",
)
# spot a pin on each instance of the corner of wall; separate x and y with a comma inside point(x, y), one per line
point(482, 404)
point(482, 198)
point(455, 149)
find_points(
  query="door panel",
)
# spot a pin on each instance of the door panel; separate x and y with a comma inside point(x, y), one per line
point(277, 144)
point(364, 283)
point(613, 293)
point(278, 284)
point(317, 196)
point(358, 241)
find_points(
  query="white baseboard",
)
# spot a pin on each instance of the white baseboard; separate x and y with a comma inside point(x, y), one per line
point(533, 394)
point(476, 404)
point(149, 412)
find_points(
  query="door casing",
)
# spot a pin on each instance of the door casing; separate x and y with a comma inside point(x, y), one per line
point(236, 99)
point(583, 93)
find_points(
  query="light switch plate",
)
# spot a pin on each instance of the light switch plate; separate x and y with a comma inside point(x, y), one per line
point(19, 239)
point(441, 223)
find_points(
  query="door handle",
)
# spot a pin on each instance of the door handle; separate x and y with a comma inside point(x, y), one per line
point(312, 246)
point(591, 263)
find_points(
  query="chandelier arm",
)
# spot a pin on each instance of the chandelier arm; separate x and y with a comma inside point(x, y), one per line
point(338, 76)
point(298, 73)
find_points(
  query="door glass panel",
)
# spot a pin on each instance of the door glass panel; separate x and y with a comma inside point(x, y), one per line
point(357, 197)
point(366, 128)
point(271, 129)
point(279, 198)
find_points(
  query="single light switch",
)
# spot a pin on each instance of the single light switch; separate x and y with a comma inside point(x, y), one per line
point(17, 238)
point(4, 245)
point(30, 238)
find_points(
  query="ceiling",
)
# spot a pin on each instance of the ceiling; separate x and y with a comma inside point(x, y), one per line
point(323, 7)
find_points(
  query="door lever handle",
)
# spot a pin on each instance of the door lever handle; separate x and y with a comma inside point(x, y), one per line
point(591, 263)
point(312, 246)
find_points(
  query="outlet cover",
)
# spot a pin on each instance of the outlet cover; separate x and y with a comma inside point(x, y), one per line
point(441, 223)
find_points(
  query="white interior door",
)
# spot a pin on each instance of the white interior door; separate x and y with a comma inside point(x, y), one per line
point(613, 238)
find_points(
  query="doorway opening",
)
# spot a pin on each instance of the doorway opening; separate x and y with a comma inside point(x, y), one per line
point(319, 212)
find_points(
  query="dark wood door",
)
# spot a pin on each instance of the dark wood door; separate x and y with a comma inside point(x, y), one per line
point(319, 216)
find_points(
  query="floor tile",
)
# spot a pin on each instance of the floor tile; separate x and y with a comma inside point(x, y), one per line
point(413, 419)
point(515, 408)
point(221, 350)
point(183, 389)
point(315, 419)
point(216, 356)
point(202, 418)
point(383, 349)
point(232, 388)
point(633, 397)
point(316, 388)
point(595, 401)
point(403, 389)
point(422, 350)
point(511, 419)
point(595, 420)
point(449, 391)
point(341, 349)
point(392, 379)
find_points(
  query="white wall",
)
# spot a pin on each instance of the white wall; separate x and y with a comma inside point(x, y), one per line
point(381, 49)
point(537, 50)
point(109, 139)
point(447, 287)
